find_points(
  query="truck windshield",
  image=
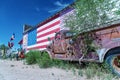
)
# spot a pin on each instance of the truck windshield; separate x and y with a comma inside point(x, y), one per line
point(70, 34)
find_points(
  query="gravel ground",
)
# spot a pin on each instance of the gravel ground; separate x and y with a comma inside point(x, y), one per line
point(17, 70)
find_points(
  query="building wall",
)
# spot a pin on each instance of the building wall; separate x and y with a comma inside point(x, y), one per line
point(37, 39)
point(25, 41)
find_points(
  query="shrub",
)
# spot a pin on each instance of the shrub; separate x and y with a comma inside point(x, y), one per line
point(63, 64)
point(44, 61)
point(80, 72)
point(89, 72)
point(32, 57)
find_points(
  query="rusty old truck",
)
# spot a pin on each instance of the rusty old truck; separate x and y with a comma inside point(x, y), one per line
point(106, 42)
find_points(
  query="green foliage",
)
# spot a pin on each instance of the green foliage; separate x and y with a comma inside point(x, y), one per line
point(100, 71)
point(90, 71)
point(108, 77)
point(4, 48)
point(32, 57)
point(99, 67)
point(89, 15)
point(80, 73)
point(61, 64)
point(44, 61)
point(118, 12)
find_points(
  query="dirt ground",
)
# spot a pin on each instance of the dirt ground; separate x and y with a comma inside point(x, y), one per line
point(17, 70)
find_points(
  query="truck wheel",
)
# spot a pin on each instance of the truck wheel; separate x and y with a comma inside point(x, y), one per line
point(113, 62)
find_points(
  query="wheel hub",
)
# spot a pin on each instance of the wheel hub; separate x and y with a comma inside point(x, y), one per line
point(116, 62)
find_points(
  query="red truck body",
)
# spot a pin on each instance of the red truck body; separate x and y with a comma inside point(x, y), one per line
point(105, 39)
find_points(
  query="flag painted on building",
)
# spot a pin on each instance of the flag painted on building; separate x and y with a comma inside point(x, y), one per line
point(38, 39)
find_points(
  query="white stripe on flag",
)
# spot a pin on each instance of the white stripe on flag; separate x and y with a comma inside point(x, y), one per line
point(48, 30)
point(47, 24)
point(46, 37)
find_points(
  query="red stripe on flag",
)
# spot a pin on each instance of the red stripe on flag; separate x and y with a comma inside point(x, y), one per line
point(57, 22)
point(45, 40)
point(53, 31)
point(48, 20)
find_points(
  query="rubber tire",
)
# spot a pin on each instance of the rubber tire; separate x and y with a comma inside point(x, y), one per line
point(109, 60)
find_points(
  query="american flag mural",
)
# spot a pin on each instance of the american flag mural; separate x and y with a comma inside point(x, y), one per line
point(37, 39)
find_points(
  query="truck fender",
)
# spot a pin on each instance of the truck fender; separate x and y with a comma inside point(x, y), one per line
point(110, 52)
point(101, 53)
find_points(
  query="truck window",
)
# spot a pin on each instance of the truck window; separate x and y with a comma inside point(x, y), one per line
point(69, 34)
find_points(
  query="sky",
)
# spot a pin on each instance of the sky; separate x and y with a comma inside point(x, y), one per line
point(15, 13)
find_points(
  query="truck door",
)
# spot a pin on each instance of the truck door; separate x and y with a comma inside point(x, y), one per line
point(58, 43)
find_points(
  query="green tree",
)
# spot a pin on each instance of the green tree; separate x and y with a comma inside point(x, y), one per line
point(4, 48)
point(91, 14)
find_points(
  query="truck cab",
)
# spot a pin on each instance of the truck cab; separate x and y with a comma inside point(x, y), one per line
point(63, 46)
